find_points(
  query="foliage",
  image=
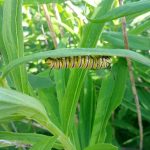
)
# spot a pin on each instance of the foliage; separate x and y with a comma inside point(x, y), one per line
point(72, 109)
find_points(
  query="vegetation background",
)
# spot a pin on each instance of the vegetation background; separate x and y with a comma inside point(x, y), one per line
point(73, 109)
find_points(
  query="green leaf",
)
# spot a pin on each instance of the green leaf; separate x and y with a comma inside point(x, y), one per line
point(135, 42)
point(2, 46)
point(123, 124)
point(125, 10)
point(101, 146)
point(13, 41)
point(44, 144)
point(132, 107)
point(68, 107)
point(78, 52)
point(103, 102)
point(140, 28)
point(25, 138)
point(87, 106)
point(110, 97)
point(13, 103)
point(49, 100)
point(59, 76)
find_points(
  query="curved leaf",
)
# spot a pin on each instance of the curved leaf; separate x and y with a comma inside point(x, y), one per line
point(13, 103)
point(24, 139)
point(78, 52)
point(125, 10)
point(135, 42)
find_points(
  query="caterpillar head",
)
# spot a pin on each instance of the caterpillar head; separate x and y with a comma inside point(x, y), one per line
point(50, 62)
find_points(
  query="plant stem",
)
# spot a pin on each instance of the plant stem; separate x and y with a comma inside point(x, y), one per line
point(50, 26)
point(132, 80)
point(57, 16)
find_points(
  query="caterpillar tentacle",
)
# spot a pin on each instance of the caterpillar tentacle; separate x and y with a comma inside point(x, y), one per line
point(89, 62)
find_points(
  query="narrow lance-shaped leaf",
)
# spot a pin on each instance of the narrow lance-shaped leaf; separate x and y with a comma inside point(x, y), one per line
point(103, 102)
point(2, 46)
point(135, 42)
point(13, 41)
point(27, 139)
point(87, 106)
point(140, 28)
point(108, 102)
point(78, 52)
point(125, 10)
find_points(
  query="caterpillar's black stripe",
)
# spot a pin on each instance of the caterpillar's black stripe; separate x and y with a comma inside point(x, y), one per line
point(90, 62)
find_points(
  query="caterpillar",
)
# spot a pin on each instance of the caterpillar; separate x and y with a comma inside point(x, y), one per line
point(89, 62)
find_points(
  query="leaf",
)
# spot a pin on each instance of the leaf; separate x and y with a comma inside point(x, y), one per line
point(25, 138)
point(59, 76)
point(2, 46)
point(110, 97)
point(103, 102)
point(125, 125)
point(78, 52)
point(38, 82)
point(87, 106)
point(44, 144)
point(49, 100)
point(132, 107)
point(68, 107)
point(135, 42)
point(13, 103)
point(13, 41)
point(140, 28)
point(101, 146)
point(125, 10)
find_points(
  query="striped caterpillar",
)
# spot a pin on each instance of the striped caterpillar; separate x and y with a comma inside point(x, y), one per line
point(89, 62)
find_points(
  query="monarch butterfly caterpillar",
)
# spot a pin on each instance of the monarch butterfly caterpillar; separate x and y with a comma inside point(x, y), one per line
point(89, 62)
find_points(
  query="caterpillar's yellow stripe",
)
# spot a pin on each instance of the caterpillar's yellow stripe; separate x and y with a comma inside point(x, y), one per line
point(89, 62)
